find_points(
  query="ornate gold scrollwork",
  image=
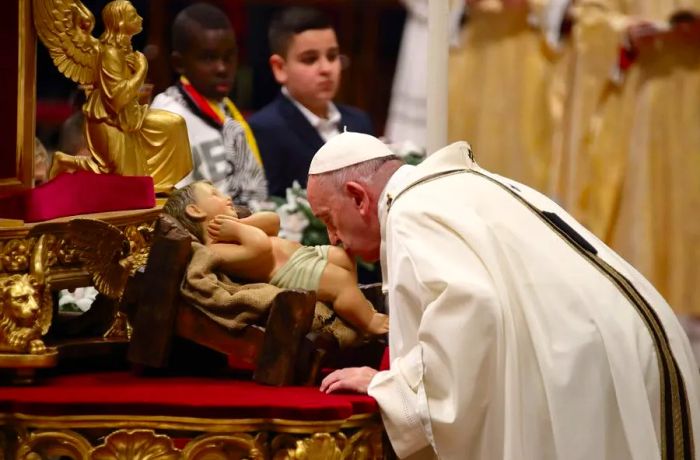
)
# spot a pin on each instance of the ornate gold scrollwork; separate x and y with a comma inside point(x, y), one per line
point(146, 444)
point(39, 260)
point(319, 445)
point(136, 445)
point(139, 236)
point(53, 444)
point(366, 444)
point(226, 447)
point(67, 252)
point(15, 255)
point(44, 254)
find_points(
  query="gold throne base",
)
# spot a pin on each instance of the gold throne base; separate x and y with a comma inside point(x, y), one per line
point(45, 251)
point(117, 415)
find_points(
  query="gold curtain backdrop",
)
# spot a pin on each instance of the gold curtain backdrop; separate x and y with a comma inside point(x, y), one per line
point(617, 147)
point(499, 78)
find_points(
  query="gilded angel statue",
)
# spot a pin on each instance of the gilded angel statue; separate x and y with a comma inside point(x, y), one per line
point(123, 136)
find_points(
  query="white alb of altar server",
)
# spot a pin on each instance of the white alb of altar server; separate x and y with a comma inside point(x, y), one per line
point(514, 332)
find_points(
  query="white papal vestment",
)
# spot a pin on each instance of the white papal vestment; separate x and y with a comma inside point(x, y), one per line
point(508, 343)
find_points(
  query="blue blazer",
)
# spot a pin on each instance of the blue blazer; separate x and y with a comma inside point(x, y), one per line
point(287, 141)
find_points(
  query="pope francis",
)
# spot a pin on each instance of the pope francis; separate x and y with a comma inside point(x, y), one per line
point(514, 332)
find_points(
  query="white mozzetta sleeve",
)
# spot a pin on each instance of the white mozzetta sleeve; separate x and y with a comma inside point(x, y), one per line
point(444, 331)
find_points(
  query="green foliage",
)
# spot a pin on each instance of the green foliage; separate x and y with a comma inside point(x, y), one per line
point(413, 158)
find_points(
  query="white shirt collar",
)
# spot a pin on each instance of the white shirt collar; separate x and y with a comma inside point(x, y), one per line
point(326, 127)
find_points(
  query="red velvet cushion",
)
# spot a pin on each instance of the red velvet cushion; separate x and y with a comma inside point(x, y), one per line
point(386, 361)
point(79, 193)
point(127, 394)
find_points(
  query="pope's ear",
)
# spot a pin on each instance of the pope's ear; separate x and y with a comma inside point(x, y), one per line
point(195, 212)
point(359, 196)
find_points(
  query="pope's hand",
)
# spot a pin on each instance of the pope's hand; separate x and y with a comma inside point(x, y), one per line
point(349, 379)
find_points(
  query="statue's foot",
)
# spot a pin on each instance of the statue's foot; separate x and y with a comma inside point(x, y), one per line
point(120, 328)
point(58, 164)
point(37, 347)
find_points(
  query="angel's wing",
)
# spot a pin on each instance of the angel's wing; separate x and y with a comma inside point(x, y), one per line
point(45, 311)
point(65, 27)
point(101, 246)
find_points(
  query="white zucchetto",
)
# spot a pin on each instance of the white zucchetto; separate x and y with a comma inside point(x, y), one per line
point(347, 149)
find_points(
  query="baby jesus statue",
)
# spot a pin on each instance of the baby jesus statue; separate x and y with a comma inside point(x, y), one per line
point(249, 249)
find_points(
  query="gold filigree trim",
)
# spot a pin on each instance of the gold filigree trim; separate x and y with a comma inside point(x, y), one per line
point(359, 420)
point(16, 360)
point(53, 444)
point(366, 444)
point(15, 254)
point(57, 226)
point(186, 423)
point(146, 444)
point(319, 445)
point(227, 447)
point(136, 445)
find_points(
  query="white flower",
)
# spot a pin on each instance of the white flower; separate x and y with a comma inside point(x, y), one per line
point(80, 297)
point(296, 222)
point(294, 213)
point(258, 206)
point(406, 148)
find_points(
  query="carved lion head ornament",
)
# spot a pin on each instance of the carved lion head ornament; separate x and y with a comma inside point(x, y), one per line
point(25, 314)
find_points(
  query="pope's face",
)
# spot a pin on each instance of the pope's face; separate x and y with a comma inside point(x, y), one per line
point(351, 222)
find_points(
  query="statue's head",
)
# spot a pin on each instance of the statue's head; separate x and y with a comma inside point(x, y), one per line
point(197, 203)
point(21, 299)
point(120, 20)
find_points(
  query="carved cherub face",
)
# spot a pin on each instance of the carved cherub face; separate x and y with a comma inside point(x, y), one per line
point(21, 298)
